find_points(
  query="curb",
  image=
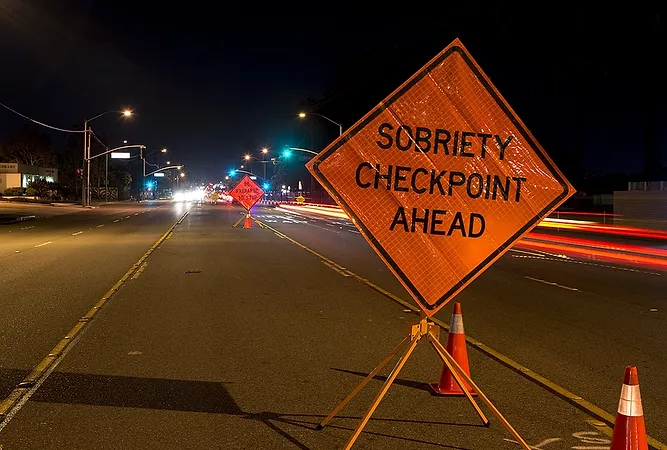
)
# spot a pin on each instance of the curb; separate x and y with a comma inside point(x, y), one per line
point(18, 219)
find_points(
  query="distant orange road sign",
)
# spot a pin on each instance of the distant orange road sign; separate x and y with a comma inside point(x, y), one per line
point(441, 178)
point(247, 192)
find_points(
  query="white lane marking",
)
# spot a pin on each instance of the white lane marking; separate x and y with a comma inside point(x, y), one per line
point(127, 217)
point(525, 252)
point(100, 226)
point(136, 214)
point(585, 263)
point(116, 220)
point(42, 245)
point(551, 283)
point(353, 231)
point(77, 233)
point(542, 445)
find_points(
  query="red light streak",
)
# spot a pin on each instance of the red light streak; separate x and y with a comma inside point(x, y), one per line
point(591, 252)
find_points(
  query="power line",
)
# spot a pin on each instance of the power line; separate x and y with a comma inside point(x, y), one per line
point(38, 122)
point(98, 140)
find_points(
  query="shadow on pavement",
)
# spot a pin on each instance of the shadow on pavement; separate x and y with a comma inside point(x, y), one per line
point(133, 392)
point(399, 381)
point(9, 379)
point(194, 396)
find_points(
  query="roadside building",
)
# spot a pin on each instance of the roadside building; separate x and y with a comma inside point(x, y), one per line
point(21, 175)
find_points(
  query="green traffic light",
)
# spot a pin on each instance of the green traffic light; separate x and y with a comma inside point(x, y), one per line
point(287, 153)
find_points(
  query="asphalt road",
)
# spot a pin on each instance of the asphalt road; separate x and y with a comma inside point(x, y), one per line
point(578, 322)
point(237, 338)
point(52, 270)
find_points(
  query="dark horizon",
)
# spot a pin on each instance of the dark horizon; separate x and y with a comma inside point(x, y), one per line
point(211, 89)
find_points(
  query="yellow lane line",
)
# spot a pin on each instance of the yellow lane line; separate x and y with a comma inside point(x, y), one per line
point(141, 269)
point(584, 405)
point(24, 390)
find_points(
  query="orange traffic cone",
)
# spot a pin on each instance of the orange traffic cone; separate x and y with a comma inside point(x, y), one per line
point(629, 429)
point(248, 222)
point(456, 346)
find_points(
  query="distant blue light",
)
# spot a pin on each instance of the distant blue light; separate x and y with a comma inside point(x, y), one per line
point(266, 186)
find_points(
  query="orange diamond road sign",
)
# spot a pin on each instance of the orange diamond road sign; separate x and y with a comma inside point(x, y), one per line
point(441, 178)
point(247, 192)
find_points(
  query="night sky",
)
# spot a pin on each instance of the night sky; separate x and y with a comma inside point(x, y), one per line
point(211, 84)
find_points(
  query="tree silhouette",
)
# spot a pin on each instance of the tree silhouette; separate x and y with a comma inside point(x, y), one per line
point(28, 146)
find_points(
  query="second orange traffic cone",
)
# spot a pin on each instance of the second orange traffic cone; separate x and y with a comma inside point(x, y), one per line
point(456, 346)
point(248, 222)
point(629, 428)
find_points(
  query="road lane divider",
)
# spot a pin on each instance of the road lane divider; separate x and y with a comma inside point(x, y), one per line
point(29, 385)
point(43, 244)
point(77, 233)
point(141, 269)
point(551, 283)
point(594, 412)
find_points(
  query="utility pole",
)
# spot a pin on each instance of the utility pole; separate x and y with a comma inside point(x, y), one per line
point(85, 158)
point(88, 175)
point(106, 180)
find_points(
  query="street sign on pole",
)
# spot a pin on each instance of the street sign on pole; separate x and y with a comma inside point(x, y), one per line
point(120, 155)
point(159, 174)
point(441, 178)
point(247, 192)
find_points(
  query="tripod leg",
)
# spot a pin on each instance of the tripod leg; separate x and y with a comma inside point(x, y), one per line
point(238, 222)
point(385, 387)
point(457, 377)
point(368, 378)
point(481, 394)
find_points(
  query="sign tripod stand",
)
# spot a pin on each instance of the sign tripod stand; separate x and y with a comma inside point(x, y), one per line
point(247, 217)
point(247, 193)
point(425, 329)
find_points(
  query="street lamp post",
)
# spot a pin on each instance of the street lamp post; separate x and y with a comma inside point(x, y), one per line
point(143, 158)
point(108, 152)
point(264, 161)
point(85, 194)
point(340, 126)
point(304, 150)
point(106, 176)
point(248, 157)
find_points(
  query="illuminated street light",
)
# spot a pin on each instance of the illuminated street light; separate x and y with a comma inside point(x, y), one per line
point(265, 150)
point(302, 115)
point(182, 174)
point(85, 195)
point(168, 162)
point(164, 150)
point(247, 158)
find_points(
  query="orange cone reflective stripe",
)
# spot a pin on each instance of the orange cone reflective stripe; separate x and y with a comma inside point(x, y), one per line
point(629, 428)
point(456, 346)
